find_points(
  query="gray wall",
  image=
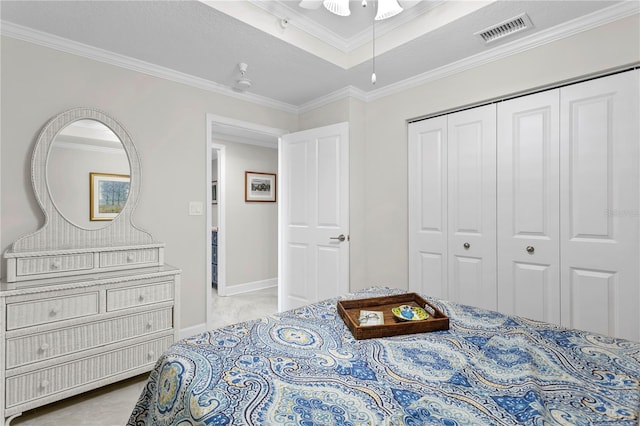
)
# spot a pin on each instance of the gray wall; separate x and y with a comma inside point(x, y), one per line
point(251, 228)
point(379, 250)
point(68, 169)
point(167, 123)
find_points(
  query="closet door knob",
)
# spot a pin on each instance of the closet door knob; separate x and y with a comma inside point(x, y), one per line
point(466, 245)
point(530, 249)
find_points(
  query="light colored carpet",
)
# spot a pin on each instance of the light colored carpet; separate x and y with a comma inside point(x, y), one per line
point(112, 405)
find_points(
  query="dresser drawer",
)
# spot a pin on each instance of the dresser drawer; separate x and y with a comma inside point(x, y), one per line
point(129, 297)
point(39, 347)
point(46, 264)
point(42, 311)
point(134, 257)
point(45, 382)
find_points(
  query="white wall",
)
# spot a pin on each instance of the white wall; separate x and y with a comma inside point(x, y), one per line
point(167, 123)
point(68, 171)
point(251, 227)
point(385, 160)
point(378, 158)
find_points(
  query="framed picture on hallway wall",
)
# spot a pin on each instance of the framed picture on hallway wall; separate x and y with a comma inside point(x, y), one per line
point(259, 187)
point(214, 192)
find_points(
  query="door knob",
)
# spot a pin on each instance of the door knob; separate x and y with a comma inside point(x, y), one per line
point(530, 249)
point(466, 245)
point(340, 238)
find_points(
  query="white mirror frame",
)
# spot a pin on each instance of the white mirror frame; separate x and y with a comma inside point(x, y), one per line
point(59, 236)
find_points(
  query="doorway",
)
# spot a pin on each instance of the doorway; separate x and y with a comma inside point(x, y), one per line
point(221, 133)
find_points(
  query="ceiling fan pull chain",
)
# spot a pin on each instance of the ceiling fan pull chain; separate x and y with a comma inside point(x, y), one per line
point(373, 74)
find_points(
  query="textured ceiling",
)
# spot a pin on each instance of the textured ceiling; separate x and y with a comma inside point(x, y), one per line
point(203, 40)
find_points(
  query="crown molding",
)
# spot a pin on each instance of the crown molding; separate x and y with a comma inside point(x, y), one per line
point(301, 22)
point(30, 35)
point(382, 28)
point(345, 92)
point(578, 25)
point(282, 10)
point(594, 20)
point(567, 29)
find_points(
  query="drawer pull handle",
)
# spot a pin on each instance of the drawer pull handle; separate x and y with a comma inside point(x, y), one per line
point(130, 258)
point(56, 264)
point(44, 384)
point(530, 249)
point(150, 324)
point(54, 311)
point(141, 298)
point(151, 354)
point(44, 347)
point(466, 246)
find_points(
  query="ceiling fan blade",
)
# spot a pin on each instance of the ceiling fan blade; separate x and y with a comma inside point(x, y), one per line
point(310, 4)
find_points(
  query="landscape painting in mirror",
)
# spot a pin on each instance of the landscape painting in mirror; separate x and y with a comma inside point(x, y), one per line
point(108, 194)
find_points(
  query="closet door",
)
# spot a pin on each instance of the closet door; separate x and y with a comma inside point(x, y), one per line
point(472, 206)
point(529, 207)
point(599, 205)
point(427, 172)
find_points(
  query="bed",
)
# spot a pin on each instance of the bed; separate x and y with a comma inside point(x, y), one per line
point(303, 367)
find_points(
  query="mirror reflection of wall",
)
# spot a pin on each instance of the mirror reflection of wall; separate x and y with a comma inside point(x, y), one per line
point(81, 148)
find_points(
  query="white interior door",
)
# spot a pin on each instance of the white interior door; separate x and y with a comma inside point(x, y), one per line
point(427, 171)
point(472, 206)
point(599, 205)
point(313, 215)
point(529, 207)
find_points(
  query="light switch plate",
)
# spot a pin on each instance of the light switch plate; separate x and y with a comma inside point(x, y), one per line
point(195, 208)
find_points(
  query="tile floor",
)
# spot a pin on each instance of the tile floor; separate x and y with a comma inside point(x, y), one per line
point(112, 405)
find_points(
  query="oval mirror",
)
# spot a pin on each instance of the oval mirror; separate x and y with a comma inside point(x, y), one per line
point(88, 174)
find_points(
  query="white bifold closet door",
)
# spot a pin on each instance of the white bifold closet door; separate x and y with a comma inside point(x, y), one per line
point(599, 207)
point(428, 229)
point(472, 206)
point(533, 210)
point(452, 207)
point(529, 206)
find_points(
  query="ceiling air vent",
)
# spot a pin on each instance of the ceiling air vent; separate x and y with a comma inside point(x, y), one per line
point(503, 29)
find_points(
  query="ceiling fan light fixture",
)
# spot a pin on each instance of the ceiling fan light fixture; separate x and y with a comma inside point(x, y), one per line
point(387, 9)
point(338, 7)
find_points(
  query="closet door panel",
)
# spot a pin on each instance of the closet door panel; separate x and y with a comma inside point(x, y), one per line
point(528, 207)
point(472, 206)
point(600, 205)
point(428, 207)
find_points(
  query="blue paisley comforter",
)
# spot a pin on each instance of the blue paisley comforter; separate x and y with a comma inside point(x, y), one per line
point(303, 367)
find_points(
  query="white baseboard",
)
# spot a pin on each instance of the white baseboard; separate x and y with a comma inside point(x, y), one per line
point(193, 330)
point(231, 290)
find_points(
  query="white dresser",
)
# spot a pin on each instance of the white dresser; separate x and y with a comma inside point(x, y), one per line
point(62, 336)
point(87, 299)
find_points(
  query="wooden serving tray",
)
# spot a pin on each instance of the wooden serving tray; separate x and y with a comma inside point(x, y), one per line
point(349, 310)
